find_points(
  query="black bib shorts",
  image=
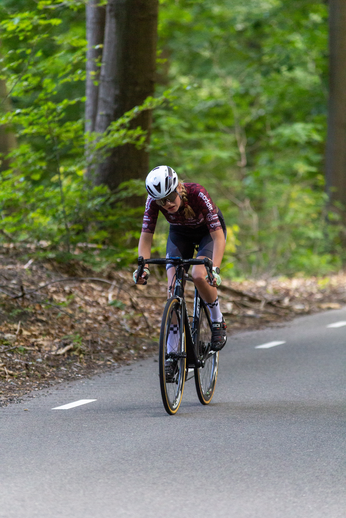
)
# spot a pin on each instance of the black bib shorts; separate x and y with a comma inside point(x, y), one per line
point(183, 241)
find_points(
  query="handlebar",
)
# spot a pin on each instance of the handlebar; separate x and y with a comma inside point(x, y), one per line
point(208, 263)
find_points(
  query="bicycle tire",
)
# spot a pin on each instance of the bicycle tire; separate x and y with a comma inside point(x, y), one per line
point(205, 376)
point(172, 387)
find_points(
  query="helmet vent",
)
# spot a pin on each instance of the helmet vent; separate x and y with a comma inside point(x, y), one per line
point(150, 192)
point(158, 187)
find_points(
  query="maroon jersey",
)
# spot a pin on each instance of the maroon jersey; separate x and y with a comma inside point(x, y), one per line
point(199, 200)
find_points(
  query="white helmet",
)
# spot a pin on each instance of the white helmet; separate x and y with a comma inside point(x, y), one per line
point(161, 181)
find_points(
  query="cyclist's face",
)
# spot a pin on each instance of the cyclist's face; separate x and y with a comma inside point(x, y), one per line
point(171, 203)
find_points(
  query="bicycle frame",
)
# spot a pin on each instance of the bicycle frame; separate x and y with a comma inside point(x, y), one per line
point(190, 330)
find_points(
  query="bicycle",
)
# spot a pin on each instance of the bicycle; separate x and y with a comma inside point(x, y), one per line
point(184, 345)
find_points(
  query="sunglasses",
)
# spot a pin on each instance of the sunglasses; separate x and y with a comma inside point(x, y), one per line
point(171, 197)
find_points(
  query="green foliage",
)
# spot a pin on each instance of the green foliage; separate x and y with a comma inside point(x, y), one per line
point(117, 304)
point(44, 197)
point(249, 123)
point(245, 116)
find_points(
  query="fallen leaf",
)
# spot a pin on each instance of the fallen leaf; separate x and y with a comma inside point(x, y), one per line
point(329, 305)
point(65, 349)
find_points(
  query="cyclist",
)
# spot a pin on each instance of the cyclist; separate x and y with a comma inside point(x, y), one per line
point(194, 220)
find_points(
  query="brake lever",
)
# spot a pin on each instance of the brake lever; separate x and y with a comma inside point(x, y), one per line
point(208, 263)
point(140, 268)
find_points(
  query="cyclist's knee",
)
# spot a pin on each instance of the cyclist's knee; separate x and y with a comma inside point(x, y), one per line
point(198, 275)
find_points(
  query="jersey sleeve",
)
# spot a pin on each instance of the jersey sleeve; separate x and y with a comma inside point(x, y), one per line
point(208, 209)
point(150, 216)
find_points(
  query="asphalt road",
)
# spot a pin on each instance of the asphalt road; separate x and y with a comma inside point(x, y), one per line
point(272, 444)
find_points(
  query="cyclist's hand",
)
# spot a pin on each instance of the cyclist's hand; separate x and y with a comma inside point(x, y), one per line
point(216, 279)
point(143, 279)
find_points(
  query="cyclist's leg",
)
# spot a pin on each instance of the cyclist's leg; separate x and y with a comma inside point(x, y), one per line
point(210, 297)
point(179, 244)
point(209, 293)
point(205, 249)
point(172, 339)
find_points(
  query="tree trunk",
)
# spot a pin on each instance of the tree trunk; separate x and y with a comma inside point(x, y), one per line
point(127, 79)
point(336, 138)
point(95, 28)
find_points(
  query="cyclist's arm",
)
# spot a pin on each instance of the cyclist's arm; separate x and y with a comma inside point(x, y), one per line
point(219, 243)
point(144, 245)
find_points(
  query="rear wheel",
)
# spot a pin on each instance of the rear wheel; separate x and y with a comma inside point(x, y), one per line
point(172, 356)
point(206, 375)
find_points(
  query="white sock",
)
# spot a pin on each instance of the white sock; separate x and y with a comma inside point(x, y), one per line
point(214, 310)
point(173, 339)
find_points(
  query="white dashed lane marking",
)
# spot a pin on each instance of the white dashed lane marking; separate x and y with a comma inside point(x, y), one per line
point(342, 323)
point(269, 345)
point(74, 404)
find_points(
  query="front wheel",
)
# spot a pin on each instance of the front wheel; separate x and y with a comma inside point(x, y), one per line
point(206, 375)
point(172, 356)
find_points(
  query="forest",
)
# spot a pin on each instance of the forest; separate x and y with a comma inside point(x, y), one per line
point(238, 101)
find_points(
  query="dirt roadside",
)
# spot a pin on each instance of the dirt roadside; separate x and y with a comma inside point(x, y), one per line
point(65, 323)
